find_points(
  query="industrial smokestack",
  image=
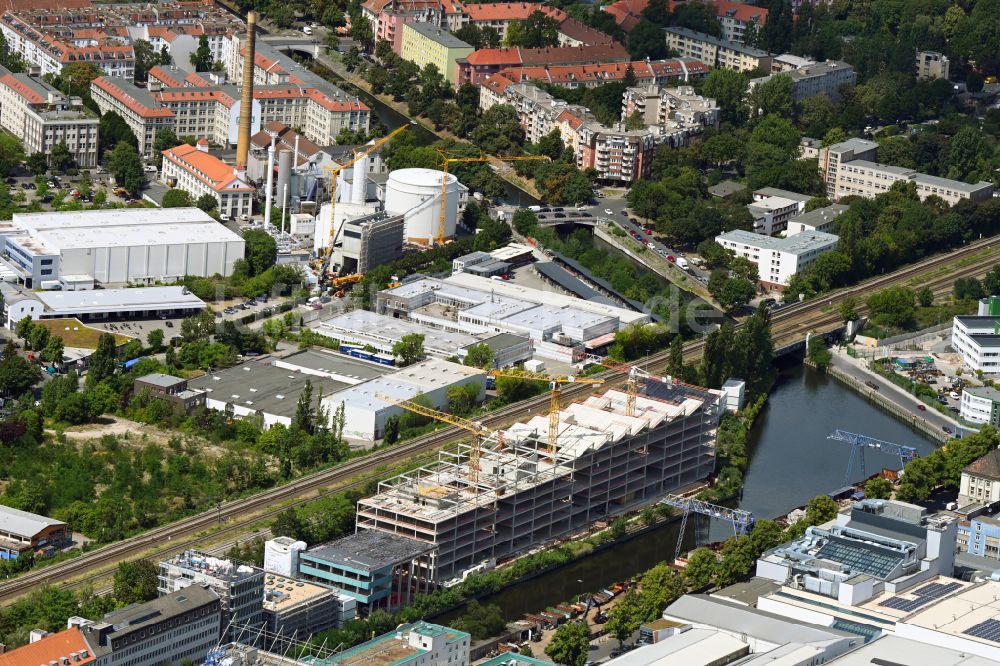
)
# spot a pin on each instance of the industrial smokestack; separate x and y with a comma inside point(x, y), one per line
point(359, 184)
point(246, 100)
point(270, 183)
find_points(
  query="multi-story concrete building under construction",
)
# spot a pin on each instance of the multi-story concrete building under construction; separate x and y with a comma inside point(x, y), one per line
point(523, 492)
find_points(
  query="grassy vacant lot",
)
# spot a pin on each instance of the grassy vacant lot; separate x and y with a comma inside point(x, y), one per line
point(77, 334)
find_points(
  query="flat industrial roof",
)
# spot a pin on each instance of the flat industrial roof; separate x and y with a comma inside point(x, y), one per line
point(502, 341)
point(161, 379)
point(335, 364)
point(114, 300)
point(876, 166)
point(438, 35)
point(359, 324)
point(408, 382)
point(549, 315)
point(258, 385)
point(282, 592)
point(800, 243)
point(819, 216)
point(892, 649)
point(122, 227)
point(694, 647)
point(951, 184)
point(370, 550)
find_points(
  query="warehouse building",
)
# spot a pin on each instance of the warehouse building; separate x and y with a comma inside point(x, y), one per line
point(524, 493)
point(365, 413)
point(134, 245)
point(97, 304)
point(369, 329)
point(23, 532)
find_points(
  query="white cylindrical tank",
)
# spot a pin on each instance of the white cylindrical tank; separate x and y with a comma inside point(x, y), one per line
point(284, 174)
point(359, 181)
point(416, 194)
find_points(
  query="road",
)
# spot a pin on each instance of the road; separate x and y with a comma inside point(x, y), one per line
point(237, 517)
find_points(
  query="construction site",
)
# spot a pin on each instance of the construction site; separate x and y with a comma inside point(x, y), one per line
point(511, 490)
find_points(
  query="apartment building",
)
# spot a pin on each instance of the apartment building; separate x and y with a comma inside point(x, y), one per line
point(42, 117)
point(833, 156)
point(425, 44)
point(869, 179)
point(778, 259)
point(659, 105)
point(646, 73)
point(194, 170)
point(387, 18)
point(144, 115)
point(736, 17)
point(480, 65)
point(820, 78)
point(176, 627)
point(716, 52)
point(933, 65)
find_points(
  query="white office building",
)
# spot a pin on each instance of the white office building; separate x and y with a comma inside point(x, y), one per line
point(778, 259)
point(981, 404)
point(976, 338)
point(133, 245)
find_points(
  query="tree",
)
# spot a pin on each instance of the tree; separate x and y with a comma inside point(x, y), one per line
point(207, 202)
point(499, 132)
point(525, 222)
point(537, 31)
point(126, 166)
point(201, 59)
point(305, 414)
point(146, 57)
point(848, 309)
point(892, 307)
point(818, 353)
point(38, 163)
point(646, 40)
point(968, 288)
point(729, 89)
point(60, 156)
point(409, 348)
point(154, 339)
point(991, 282)
point(479, 356)
point(113, 130)
point(175, 198)
point(820, 509)
point(773, 96)
point(11, 153)
point(625, 617)
point(39, 337)
point(701, 567)
point(24, 327)
point(102, 361)
point(165, 139)
point(16, 374)
point(481, 621)
point(878, 488)
point(776, 34)
point(925, 297)
point(261, 250)
point(570, 644)
point(54, 350)
point(135, 582)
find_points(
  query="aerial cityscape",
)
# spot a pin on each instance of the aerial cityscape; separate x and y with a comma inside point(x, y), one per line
point(471, 333)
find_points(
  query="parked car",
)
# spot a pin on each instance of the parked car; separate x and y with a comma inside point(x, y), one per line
point(946, 429)
point(872, 385)
point(922, 408)
point(169, 324)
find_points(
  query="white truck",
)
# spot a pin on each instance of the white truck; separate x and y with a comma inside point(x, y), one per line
point(682, 262)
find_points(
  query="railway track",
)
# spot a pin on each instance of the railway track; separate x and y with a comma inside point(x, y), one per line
point(787, 325)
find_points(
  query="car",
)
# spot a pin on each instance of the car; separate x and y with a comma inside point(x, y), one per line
point(244, 217)
point(946, 429)
point(10, 181)
point(670, 258)
point(607, 211)
point(163, 317)
point(872, 385)
point(954, 395)
point(169, 324)
point(953, 409)
point(151, 168)
point(922, 408)
point(648, 232)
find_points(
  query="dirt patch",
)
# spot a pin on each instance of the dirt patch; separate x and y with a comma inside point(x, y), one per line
point(132, 432)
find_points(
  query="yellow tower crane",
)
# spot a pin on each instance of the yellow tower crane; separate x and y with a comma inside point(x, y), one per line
point(555, 386)
point(446, 161)
point(475, 427)
point(334, 171)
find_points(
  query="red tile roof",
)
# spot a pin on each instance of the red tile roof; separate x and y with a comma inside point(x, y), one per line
point(51, 5)
point(205, 167)
point(193, 95)
point(105, 84)
point(164, 77)
point(628, 12)
point(510, 11)
point(51, 648)
point(988, 466)
point(514, 57)
point(605, 72)
point(741, 11)
point(21, 88)
point(497, 83)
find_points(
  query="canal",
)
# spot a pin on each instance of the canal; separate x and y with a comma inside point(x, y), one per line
point(791, 461)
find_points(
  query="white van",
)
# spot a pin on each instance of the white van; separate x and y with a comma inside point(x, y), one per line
point(307, 30)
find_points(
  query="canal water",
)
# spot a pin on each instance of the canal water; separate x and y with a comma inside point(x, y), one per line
point(791, 461)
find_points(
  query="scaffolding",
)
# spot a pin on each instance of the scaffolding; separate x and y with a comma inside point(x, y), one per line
point(524, 493)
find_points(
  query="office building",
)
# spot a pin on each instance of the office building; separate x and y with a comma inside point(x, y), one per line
point(197, 172)
point(716, 52)
point(374, 568)
point(981, 404)
point(173, 628)
point(892, 649)
point(238, 588)
point(527, 491)
point(778, 259)
point(818, 219)
point(976, 339)
point(815, 78)
point(933, 65)
point(43, 117)
point(874, 547)
point(426, 44)
point(137, 107)
point(23, 532)
point(135, 245)
point(298, 610)
point(771, 214)
point(99, 304)
point(980, 482)
point(172, 389)
point(848, 169)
